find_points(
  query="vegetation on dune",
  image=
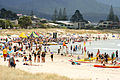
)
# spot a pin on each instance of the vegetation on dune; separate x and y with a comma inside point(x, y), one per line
point(14, 74)
point(6, 32)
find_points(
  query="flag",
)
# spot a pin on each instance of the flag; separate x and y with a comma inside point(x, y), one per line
point(64, 44)
point(84, 43)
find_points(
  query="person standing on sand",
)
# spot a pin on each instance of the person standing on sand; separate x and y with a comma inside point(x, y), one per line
point(71, 48)
point(38, 54)
point(4, 53)
point(34, 56)
point(82, 50)
point(52, 56)
point(11, 62)
point(45, 49)
point(85, 49)
point(30, 59)
point(76, 47)
point(43, 57)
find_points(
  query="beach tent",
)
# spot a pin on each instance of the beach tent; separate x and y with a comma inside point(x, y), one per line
point(22, 35)
point(36, 33)
point(33, 34)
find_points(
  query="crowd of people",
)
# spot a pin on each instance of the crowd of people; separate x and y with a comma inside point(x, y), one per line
point(27, 48)
point(32, 50)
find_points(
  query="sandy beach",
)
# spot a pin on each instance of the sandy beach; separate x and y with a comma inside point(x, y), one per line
point(63, 67)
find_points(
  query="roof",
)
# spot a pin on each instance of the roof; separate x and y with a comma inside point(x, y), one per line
point(53, 24)
point(65, 22)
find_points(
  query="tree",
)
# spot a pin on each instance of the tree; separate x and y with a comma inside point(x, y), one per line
point(116, 19)
point(64, 14)
point(60, 15)
point(77, 17)
point(7, 14)
point(32, 14)
point(55, 15)
point(25, 21)
point(5, 24)
point(2, 24)
point(111, 15)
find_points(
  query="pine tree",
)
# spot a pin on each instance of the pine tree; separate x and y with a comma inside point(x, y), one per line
point(64, 14)
point(60, 15)
point(111, 15)
point(31, 14)
point(55, 15)
point(77, 17)
point(116, 19)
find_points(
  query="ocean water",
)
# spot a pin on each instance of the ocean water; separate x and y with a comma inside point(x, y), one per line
point(108, 46)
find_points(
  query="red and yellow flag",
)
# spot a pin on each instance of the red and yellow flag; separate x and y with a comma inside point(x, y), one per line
point(64, 44)
point(84, 43)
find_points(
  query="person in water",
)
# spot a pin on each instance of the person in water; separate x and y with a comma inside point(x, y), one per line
point(112, 57)
point(117, 54)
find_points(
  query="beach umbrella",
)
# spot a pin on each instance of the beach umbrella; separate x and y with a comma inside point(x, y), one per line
point(33, 34)
point(36, 33)
point(22, 35)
